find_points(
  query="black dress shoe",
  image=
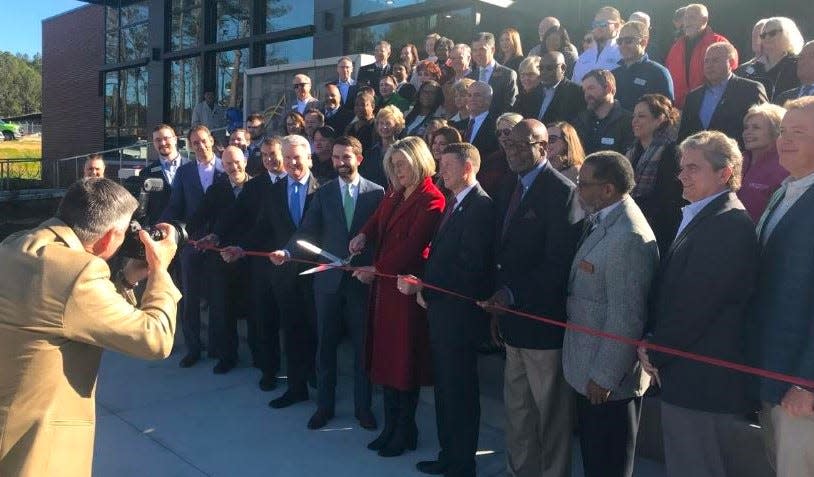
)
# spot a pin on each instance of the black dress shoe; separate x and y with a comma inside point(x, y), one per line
point(268, 382)
point(288, 398)
point(432, 467)
point(366, 419)
point(189, 360)
point(223, 367)
point(320, 419)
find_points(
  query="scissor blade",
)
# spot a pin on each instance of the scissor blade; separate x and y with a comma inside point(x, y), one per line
point(321, 268)
point(318, 251)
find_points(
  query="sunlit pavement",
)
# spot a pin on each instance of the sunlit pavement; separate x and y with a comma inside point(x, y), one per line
point(156, 419)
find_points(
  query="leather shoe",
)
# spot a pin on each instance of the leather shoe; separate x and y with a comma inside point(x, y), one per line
point(189, 360)
point(268, 382)
point(320, 419)
point(432, 467)
point(288, 398)
point(223, 367)
point(366, 419)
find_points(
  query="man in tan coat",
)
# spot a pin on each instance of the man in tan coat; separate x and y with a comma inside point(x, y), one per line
point(59, 308)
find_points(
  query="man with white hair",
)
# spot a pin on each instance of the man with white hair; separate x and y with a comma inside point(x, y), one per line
point(302, 89)
point(685, 60)
point(604, 54)
point(281, 213)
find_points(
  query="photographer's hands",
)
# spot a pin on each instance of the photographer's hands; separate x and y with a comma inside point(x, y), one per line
point(159, 254)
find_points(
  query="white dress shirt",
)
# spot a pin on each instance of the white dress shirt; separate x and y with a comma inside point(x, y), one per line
point(206, 172)
point(792, 190)
point(688, 212)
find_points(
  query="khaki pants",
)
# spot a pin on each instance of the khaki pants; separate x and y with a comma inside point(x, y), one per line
point(789, 441)
point(539, 414)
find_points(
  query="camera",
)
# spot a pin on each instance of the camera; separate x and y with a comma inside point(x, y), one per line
point(132, 246)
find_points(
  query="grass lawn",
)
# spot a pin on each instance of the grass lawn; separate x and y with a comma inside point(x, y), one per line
point(18, 151)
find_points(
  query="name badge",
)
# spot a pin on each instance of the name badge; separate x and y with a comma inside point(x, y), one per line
point(607, 141)
point(639, 81)
point(586, 266)
point(156, 169)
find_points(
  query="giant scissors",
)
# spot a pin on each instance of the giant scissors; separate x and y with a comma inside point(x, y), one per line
point(335, 261)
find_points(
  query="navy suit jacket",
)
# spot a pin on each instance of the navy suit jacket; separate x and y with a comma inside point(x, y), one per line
point(187, 193)
point(504, 87)
point(783, 306)
point(324, 226)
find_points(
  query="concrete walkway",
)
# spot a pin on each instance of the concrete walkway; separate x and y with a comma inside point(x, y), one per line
point(156, 419)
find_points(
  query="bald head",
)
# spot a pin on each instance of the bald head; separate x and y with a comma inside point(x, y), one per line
point(530, 130)
point(805, 64)
point(526, 147)
point(234, 164)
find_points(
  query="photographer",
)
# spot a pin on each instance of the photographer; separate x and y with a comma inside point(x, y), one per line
point(60, 309)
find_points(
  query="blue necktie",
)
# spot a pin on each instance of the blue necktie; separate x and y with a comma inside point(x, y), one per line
point(294, 203)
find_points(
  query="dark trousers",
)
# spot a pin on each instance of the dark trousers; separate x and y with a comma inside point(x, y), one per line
point(192, 286)
point(457, 393)
point(264, 317)
point(607, 435)
point(295, 299)
point(345, 310)
point(227, 297)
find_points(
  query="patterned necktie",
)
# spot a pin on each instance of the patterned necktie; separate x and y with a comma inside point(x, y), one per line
point(590, 224)
point(294, 204)
point(469, 128)
point(348, 205)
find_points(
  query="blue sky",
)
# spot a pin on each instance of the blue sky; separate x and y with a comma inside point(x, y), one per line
point(22, 25)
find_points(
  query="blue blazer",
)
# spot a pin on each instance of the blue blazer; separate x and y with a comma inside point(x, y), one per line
point(187, 193)
point(324, 226)
point(783, 306)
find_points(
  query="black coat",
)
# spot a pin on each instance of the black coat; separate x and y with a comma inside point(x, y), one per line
point(486, 138)
point(781, 78)
point(533, 259)
point(568, 101)
point(702, 291)
point(339, 120)
point(794, 93)
point(740, 95)
point(614, 132)
point(504, 87)
point(461, 259)
point(157, 200)
point(369, 75)
point(243, 212)
point(215, 205)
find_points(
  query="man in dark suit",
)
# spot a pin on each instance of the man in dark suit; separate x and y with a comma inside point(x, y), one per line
point(280, 215)
point(169, 160)
point(502, 80)
point(188, 187)
point(228, 282)
point(345, 82)
point(701, 296)
point(257, 128)
point(782, 307)
point(336, 116)
point(460, 260)
point(805, 73)
point(556, 98)
point(264, 316)
point(721, 103)
point(604, 124)
point(480, 129)
point(369, 75)
point(336, 213)
point(536, 240)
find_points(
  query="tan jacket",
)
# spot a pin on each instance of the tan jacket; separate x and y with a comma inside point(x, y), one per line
point(58, 310)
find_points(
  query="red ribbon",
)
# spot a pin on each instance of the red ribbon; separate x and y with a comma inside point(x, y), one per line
point(802, 382)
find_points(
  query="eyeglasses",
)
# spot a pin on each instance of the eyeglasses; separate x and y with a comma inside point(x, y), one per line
point(504, 131)
point(300, 85)
point(770, 33)
point(602, 23)
point(628, 40)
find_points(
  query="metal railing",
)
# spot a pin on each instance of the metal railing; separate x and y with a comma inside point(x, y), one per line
point(131, 155)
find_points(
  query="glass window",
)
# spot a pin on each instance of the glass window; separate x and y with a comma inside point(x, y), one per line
point(229, 68)
point(185, 90)
point(454, 24)
point(132, 14)
point(127, 32)
point(125, 106)
point(359, 7)
point(135, 42)
point(185, 24)
point(111, 18)
point(290, 51)
point(285, 14)
point(234, 19)
point(112, 99)
point(112, 46)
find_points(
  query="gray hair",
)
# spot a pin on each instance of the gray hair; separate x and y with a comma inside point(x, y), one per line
point(772, 112)
point(792, 38)
point(294, 140)
point(95, 205)
point(483, 85)
point(720, 151)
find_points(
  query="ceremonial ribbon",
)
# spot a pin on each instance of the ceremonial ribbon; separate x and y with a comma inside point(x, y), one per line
point(764, 373)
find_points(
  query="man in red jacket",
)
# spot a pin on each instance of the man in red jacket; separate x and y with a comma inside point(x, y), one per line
point(686, 57)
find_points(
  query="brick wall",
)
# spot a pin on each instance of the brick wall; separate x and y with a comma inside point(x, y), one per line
point(72, 108)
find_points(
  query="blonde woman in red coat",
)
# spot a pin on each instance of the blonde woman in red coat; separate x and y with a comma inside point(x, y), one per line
point(398, 350)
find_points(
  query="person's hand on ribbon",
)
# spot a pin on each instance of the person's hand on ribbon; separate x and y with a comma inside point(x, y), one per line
point(278, 257)
point(409, 284)
point(232, 254)
point(365, 275)
point(357, 244)
point(207, 243)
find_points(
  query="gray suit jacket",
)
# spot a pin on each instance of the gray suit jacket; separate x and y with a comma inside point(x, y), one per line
point(324, 225)
point(607, 290)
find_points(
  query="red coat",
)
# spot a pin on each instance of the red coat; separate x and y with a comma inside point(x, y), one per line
point(398, 346)
point(676, 65)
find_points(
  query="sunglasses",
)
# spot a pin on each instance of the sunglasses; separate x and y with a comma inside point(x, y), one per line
point(770, 33)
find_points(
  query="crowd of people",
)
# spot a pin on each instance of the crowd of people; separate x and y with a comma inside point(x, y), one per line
point(657, 201)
